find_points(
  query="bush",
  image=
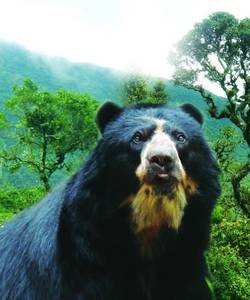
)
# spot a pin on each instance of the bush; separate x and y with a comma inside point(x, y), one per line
point(4, 216)
point(235, 234)
point(229, 254)
point(13, 200)
point(230, 273)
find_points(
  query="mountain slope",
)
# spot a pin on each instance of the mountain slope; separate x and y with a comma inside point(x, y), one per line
point(17, 63)
point(52, 73)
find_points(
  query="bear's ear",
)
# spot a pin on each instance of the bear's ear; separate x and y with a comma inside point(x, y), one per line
point(106, 113)
point(193, 112)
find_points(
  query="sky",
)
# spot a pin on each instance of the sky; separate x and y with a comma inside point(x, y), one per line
point(133, 35)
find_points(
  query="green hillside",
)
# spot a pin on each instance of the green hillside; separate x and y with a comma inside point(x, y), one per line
point(17, 63)
point(52, 73)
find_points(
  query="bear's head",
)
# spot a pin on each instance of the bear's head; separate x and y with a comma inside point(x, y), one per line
point(162, 157)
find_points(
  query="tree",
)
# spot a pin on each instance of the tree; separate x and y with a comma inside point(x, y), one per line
point(46, 128)
point(218, 49)
point(158, 93)
point(225, 147)
point(137, 89)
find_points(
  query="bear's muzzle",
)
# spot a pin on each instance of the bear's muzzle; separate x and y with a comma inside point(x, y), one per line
point(160, 164)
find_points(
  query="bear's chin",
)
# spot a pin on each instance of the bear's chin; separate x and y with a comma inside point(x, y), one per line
point(164, 186)
point(151, 208)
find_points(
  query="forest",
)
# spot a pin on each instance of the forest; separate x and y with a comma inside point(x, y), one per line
point(47, 128)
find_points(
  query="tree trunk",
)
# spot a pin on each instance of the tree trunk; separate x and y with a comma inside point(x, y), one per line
point(236, 180)
point(45, 181)
point(46, 185)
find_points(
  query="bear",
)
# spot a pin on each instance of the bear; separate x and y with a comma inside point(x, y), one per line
point(134, 221)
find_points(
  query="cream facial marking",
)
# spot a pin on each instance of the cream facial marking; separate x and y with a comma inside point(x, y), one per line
point(163, 192)
point(159, 125)
point(160, 144)
point(151, 209)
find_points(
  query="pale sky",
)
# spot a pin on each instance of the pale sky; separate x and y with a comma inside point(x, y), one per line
point(122, 34)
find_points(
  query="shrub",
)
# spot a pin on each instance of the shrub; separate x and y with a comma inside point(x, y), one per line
point(230, 273)
point(229, 254)
point(13, 200)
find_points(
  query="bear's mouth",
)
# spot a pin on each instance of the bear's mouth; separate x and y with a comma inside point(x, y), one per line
point(162, 181)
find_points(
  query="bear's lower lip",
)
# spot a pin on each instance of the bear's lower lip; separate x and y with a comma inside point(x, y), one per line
point(162, 182)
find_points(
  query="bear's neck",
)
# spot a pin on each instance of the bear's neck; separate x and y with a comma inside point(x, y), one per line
point(152, 211)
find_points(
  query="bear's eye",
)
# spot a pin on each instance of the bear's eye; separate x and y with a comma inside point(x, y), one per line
point(138, 137)
point(180, 137)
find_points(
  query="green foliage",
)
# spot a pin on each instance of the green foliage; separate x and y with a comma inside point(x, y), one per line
point(234, 233)
point(229, 254)
point(222, 37)
point(230, 273)
point(228, 141)
point(158, 93)
point(3, 121)
point(47, 128)
point(137, 89)
point(218, 48)
point(227, 148)
point(13, 200)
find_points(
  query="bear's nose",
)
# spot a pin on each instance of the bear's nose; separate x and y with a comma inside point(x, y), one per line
point(162, 162)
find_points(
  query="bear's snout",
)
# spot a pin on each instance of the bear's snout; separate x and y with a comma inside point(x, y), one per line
point(160, 162)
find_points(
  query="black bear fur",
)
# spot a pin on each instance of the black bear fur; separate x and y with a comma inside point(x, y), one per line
point(78, 243)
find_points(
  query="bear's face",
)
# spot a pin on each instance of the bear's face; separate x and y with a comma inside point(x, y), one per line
point(160, 146)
